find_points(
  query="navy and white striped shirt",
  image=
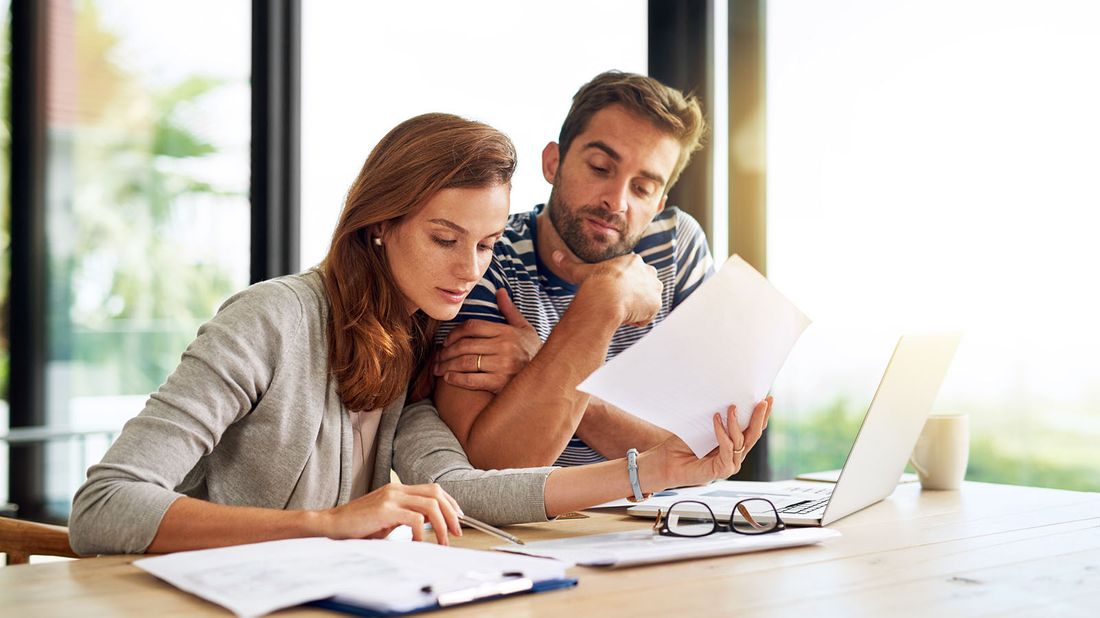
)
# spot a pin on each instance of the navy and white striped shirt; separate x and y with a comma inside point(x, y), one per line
point(673, 243)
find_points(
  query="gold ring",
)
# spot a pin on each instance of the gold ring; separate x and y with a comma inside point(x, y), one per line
point(740, 450)
point(479, 363)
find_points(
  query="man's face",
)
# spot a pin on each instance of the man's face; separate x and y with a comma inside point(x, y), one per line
point(611, 183)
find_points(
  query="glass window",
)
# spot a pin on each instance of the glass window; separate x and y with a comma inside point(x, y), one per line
point(368, 66)
point(148, 128)
point(932, 165)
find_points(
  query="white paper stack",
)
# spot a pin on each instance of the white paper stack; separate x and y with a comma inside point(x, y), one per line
point(382, 576)
point(620, 549)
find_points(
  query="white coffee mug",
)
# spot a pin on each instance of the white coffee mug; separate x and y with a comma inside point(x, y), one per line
point(942, 451)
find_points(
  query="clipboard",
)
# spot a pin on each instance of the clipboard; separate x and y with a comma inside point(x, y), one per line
point(361, 577)
point(506, 587)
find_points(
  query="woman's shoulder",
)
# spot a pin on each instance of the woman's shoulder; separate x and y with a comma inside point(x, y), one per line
point(287, 299)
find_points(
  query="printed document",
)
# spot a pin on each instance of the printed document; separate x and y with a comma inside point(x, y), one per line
point(723, 345)
point(619, 549)
point(387, 576)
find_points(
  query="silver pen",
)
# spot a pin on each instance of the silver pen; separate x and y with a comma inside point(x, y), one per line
point(487, 529)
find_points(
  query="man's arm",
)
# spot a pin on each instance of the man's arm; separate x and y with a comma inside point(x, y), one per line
point(530, 421)
point(612, 431)
point(483, 356)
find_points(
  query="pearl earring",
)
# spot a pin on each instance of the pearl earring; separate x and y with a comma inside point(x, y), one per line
point(378, 241)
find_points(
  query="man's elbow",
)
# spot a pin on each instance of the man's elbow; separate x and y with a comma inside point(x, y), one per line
point(458, 412)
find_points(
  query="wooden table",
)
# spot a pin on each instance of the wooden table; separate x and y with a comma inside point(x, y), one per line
point(984, 550)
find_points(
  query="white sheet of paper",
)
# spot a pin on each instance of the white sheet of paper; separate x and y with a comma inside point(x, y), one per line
point(620, 549)
point(724, 494)
point(723, 345)
point(255, 579)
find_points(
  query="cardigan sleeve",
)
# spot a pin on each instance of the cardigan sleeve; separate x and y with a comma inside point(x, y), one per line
point(223, 373)
point(425, 451)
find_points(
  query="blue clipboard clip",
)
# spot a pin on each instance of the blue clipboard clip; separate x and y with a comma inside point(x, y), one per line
point(471, 587)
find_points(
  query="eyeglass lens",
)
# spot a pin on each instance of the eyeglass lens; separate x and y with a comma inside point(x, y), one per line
point(754, 516)
point(690, 518)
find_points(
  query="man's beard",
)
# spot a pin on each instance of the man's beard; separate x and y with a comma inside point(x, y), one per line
point(570, 226)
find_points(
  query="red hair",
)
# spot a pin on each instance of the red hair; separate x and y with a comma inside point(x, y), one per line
point(374, 346)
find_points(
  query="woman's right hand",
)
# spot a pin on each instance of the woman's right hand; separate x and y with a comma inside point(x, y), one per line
point(376, 514)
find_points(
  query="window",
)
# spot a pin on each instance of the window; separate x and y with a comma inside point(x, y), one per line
point(368, 66)
point(932, 165)
point(147, 145)
point(5, 233)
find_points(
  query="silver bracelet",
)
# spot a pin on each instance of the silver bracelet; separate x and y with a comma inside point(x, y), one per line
point(632, 470)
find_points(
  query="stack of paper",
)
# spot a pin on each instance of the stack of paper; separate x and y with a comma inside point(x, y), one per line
point(384, 576)
point(636, 547)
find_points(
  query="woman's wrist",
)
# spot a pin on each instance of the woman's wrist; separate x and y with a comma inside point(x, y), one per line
point(316, 523)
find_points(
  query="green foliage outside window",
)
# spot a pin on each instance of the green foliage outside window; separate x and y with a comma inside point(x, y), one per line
point(126, 291)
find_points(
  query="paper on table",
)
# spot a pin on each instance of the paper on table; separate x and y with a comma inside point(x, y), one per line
point(723, 345)
point(620, 549)
point(252, 580)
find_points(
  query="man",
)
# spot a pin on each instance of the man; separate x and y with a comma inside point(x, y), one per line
point(590, 273)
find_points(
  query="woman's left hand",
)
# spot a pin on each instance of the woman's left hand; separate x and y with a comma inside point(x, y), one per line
point(679, 466)
point(480, 355)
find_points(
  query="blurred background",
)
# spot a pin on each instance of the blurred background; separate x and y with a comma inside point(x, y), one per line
point(891, 166)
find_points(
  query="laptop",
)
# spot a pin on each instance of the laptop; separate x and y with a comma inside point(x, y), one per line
point(881, 449)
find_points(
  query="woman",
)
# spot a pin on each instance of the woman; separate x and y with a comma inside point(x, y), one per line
point(285, 415)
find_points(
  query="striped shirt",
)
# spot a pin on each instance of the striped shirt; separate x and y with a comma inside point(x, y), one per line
point(674, 244)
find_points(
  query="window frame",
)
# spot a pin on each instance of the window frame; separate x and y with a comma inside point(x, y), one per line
point(273, 195)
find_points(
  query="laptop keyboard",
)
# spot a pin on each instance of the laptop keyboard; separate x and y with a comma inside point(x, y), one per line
point(806, 506)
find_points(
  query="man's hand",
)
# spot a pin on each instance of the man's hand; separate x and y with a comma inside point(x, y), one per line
point(626, 282)
point(482, 355)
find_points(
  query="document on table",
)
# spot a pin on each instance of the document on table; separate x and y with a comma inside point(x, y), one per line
point(381, 576)
point(620, 549)
point(723, 345)
point(722, 495)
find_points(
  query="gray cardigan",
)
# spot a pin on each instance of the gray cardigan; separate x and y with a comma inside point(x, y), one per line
point(251, 417)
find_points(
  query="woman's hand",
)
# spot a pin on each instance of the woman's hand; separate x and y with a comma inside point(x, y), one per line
point(483, 356)
point(678, 466)
point(376, 514)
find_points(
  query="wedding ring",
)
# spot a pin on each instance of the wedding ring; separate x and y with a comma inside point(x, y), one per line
point(479, 363)
point(740, 450)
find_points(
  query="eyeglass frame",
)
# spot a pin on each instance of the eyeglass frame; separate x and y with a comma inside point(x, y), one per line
point(660, 525)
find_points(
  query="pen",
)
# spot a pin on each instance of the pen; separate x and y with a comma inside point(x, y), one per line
point(486, 528)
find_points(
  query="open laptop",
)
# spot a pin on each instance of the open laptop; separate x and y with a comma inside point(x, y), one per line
point(882, 447)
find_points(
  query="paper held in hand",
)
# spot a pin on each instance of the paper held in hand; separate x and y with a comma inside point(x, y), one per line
point(723, 345)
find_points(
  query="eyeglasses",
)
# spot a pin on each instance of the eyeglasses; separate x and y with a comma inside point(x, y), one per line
point(691, 518)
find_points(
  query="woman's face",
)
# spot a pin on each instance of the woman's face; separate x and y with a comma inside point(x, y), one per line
point(438, 254)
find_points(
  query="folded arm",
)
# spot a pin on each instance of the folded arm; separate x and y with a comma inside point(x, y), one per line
point(530, 421)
